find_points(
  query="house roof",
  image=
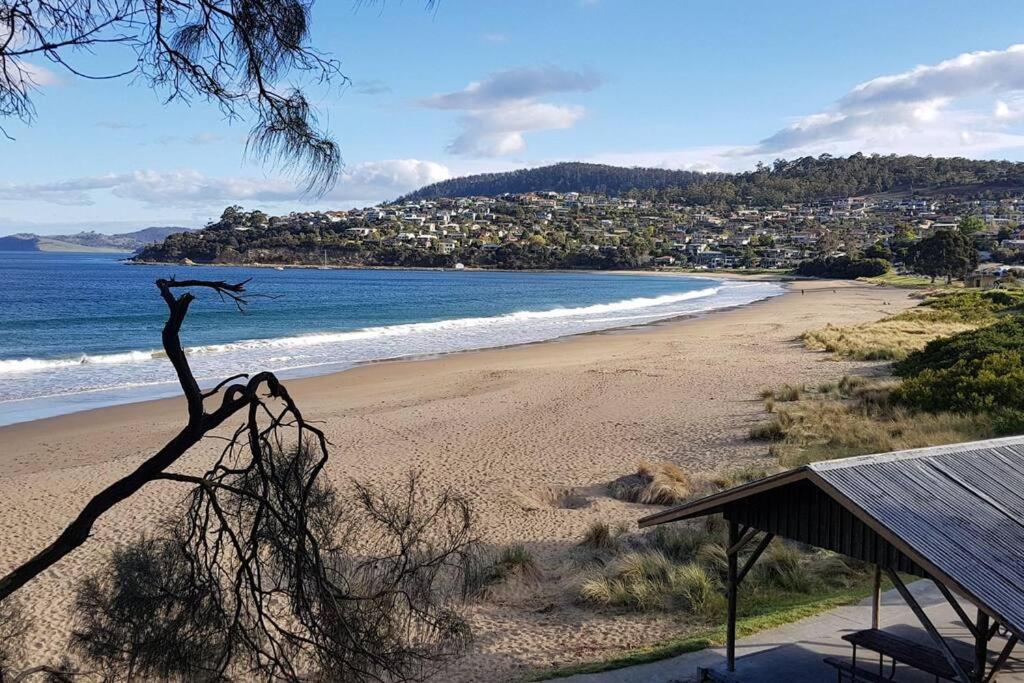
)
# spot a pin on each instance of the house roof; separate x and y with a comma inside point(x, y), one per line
point(957, 511)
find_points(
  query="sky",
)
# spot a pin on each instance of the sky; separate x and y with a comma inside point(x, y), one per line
point(472, 86)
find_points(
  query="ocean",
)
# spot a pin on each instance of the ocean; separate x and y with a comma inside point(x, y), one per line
point(80, 331)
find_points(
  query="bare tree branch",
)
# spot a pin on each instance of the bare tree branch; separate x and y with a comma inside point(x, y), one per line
point(235, 398)
point(267, 573)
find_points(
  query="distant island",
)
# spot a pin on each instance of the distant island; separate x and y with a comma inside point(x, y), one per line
point(88, 241)
point(841, 216)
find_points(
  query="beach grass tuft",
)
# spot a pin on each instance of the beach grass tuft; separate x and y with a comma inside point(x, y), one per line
point(660, 483)
point(510, 562)
point(600, 536)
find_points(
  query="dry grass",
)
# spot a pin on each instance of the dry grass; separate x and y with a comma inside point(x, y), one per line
point(940, 314)
point(667, 484)
point(888, 339)
point(783, 394)
point(513, 562)
point(653, 484)
point(681, 567)
point(603, 537)
point(854, 417)
point(646, 580)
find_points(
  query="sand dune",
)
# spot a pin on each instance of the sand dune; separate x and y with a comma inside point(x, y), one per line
point(502, 426)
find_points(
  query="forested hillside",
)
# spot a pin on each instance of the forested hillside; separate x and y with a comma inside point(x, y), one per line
point(564, 177)
point(798, 180)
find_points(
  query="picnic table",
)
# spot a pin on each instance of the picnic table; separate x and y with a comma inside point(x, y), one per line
point(900, 650)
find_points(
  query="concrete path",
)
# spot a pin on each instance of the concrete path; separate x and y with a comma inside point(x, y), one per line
point(793, 652)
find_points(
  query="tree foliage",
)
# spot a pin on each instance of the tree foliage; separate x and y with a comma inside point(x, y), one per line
point(251, 581)
point(235, 54)
point(844, 267)
point(947, 253)
point(969, 225)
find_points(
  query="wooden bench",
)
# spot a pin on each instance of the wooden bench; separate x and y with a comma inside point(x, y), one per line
point(853, 672)
point(909, 652)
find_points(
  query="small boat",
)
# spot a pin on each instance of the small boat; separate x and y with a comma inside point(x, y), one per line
point(278, 268)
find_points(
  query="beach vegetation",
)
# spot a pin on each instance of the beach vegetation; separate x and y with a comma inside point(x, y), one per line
point(824, 429)
point(661, 483)
point(486, 572)
point(756, 613)
point(902, 280)
point(600, 536)
point(171, 605)
point(961, 379)
point(13, 629)
point(646, 580)
point(942, 314)
point(787, 392)
point(682, 567)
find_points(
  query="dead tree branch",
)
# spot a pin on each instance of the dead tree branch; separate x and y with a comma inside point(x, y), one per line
point(236, 397)
point(268, 573)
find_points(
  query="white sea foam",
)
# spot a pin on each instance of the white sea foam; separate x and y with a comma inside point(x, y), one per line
point(119, 377)
point(31, 364)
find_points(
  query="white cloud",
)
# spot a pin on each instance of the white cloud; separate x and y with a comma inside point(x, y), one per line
point(368, 183)
point(928, 109)
point(39, 75)
point(500, 109)
point(515, 84)
point(499, 131)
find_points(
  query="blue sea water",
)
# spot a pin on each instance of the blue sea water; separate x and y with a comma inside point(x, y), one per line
point(79, 331)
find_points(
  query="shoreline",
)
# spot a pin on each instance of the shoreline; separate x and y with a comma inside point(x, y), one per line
point(782, 276)
point(420, 358)
point(504, 427)
point(134, 394)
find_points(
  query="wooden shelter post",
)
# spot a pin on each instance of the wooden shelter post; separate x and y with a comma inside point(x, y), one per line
point(733, 585)
point(980, 647)
point(876, 597)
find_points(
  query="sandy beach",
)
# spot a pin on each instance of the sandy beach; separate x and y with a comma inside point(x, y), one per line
point(499, 426)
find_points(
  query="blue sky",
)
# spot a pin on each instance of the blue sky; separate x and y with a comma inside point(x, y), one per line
point(473, 86)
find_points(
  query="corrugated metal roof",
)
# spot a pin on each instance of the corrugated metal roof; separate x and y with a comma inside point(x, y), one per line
point(956, 510)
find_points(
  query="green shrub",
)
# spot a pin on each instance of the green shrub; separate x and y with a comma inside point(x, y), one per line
point(992, 383)
point(939, 354)
point(975, 304)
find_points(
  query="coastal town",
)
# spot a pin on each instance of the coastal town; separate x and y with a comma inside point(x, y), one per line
point(577, 230)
